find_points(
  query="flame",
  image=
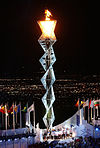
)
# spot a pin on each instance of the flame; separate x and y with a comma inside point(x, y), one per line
point(47, 26)
point(47, 15)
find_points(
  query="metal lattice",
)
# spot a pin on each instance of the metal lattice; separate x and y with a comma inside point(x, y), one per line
point(47, 61)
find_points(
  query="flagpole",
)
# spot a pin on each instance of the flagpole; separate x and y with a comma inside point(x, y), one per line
point(34, 116)
point(8, 117)
point(84, 110)
point(5, 116)
point(88, 111)
point(78, 104)
point(80, 116)
point(13, 116)
point(27, 105)
point(97, 107)
point(91, 113)
point(91, 110)
point(2, 120)
point(94, 111)
point(79, 108)
point(27, 115)
point(20, 117)
point(29, 118)
point(8, 120)
point(16, 113)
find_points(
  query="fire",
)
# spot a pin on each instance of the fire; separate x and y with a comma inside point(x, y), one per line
point(47, 26)
point(47, 15)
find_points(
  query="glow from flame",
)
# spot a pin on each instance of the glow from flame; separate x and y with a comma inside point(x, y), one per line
point(47, 26)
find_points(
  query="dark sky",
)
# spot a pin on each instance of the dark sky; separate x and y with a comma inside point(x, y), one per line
point(75, 49)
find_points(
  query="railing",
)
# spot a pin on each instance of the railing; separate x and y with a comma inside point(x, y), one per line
point(18, 138)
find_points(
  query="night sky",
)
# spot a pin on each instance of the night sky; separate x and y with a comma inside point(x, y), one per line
point(75, 49)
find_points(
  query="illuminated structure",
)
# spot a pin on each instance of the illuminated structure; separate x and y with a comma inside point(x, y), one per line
point(46, 40)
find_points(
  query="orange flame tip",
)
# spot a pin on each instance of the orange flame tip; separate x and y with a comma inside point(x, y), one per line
point(47, 15)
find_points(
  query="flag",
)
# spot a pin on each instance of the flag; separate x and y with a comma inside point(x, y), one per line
point(31, 108)
point(2, 110)
point(86, 103)
point(77, 120)
point(24, 109)
point(82, 102)
point(77, 103)
point(17, 109)
point(89, 103)
point(96, 103)
point(11, 109)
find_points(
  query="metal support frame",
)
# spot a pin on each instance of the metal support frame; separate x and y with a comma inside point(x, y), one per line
point(47, 61)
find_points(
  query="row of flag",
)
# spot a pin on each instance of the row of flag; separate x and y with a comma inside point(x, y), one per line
point(16, 109)
point(90, 103)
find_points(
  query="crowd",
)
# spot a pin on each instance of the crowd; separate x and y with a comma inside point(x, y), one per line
point(87, 142)
point(58, 134)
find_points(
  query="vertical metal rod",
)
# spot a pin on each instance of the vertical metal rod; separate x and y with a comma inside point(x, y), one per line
point(20, 117)
point(97, 111)
point(88, 112)
point(8, 120)
point(78, 104)
point(91, 113)
point(84, 110)
point(16, 114)
point(29, 118)
point(6, 116)
point(79, 109)
point(34, 117)
point(13, 116)
point(2, 120)
point(94, 112)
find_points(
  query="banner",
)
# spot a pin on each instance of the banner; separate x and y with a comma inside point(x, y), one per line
point(77, 120)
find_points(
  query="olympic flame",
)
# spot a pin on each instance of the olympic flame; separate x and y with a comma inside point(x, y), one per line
point(47, 15)
point(47, 26)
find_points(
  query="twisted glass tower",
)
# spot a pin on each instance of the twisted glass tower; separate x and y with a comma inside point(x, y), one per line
point(46, 40)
